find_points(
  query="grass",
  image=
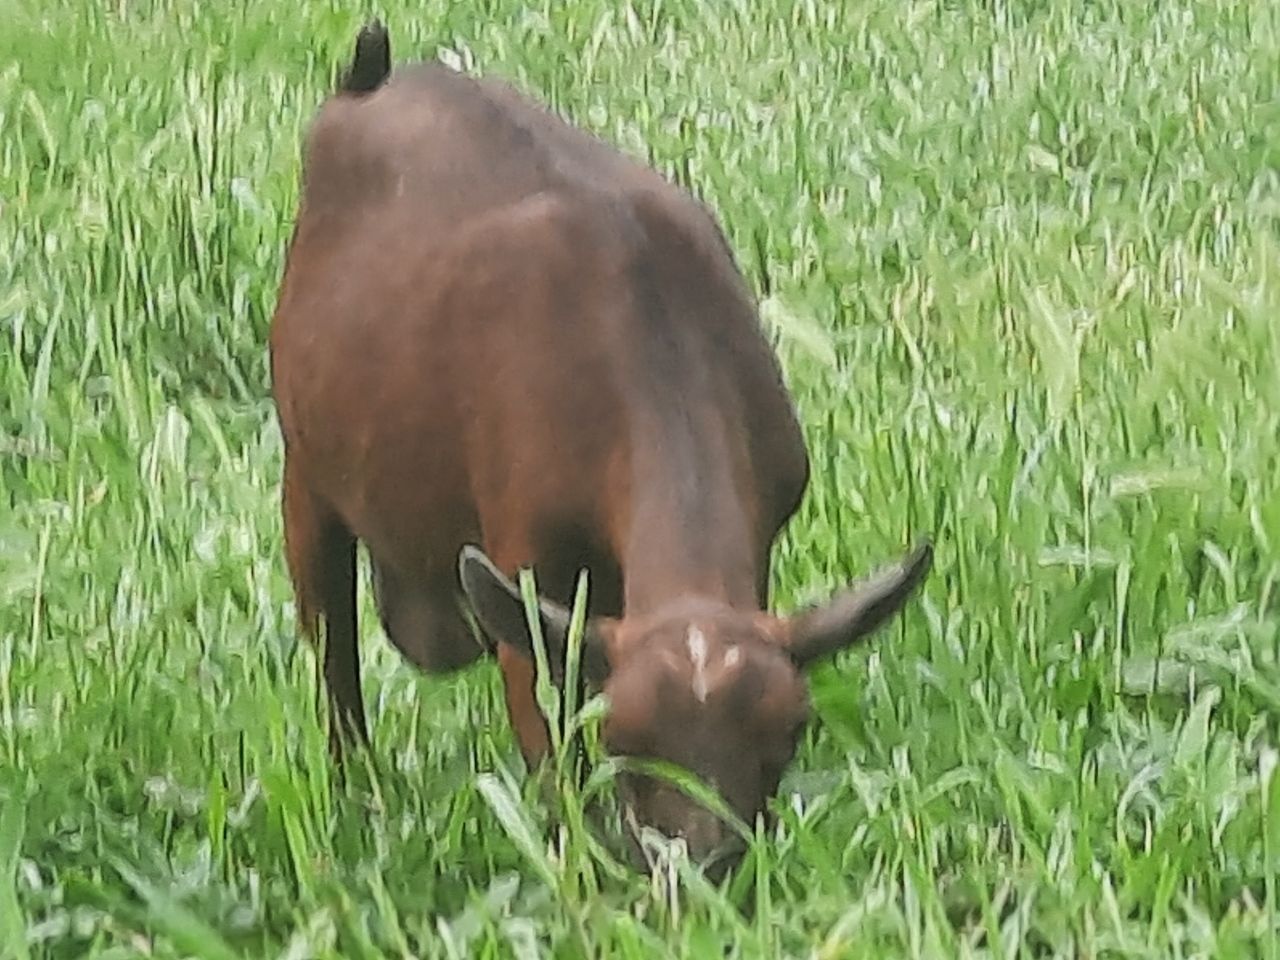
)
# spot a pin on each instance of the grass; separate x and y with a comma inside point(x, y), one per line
point(1021, 261)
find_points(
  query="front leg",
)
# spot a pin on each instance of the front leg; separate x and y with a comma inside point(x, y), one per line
point(489, 582)
point(519, 679)
point(519, 672)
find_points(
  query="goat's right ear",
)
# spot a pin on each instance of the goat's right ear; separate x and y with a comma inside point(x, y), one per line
point(499, 608)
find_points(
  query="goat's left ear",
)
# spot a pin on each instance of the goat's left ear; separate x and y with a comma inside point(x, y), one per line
point(855, 612)
point(496, 601)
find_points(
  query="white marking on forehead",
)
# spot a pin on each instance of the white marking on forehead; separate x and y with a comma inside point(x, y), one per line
point(697, 644)
point(731, 657)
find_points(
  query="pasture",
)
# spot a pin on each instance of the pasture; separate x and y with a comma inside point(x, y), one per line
point(1020, 261)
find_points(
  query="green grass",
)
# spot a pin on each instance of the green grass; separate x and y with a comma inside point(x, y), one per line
point(1022, 261)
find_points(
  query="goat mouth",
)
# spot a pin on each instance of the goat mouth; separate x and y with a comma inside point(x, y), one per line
point(656, 852)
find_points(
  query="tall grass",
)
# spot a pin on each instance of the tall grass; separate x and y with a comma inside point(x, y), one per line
point(1020, 259)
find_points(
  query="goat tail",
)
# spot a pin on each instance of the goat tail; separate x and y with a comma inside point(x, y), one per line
point(371, 64)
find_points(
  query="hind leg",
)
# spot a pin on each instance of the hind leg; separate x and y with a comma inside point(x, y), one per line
point(321, 557)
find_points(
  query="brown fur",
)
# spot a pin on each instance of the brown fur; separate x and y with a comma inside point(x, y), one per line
point(495, 329)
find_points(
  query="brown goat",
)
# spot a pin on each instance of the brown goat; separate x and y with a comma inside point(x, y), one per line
point(496, 329)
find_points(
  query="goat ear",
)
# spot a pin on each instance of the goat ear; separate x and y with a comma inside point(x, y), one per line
point(855, 612)
point(499, 608)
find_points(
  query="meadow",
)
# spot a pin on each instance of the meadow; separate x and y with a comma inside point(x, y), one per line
point(1020, 260)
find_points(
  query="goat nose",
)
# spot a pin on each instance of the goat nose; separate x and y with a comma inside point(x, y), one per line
point(716, 849)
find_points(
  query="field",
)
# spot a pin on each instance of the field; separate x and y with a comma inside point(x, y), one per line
point(1020, 261)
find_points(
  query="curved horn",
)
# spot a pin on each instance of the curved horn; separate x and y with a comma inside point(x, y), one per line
point(499, 607)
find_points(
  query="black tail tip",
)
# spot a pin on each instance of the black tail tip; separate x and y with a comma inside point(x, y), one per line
point(371, 64)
